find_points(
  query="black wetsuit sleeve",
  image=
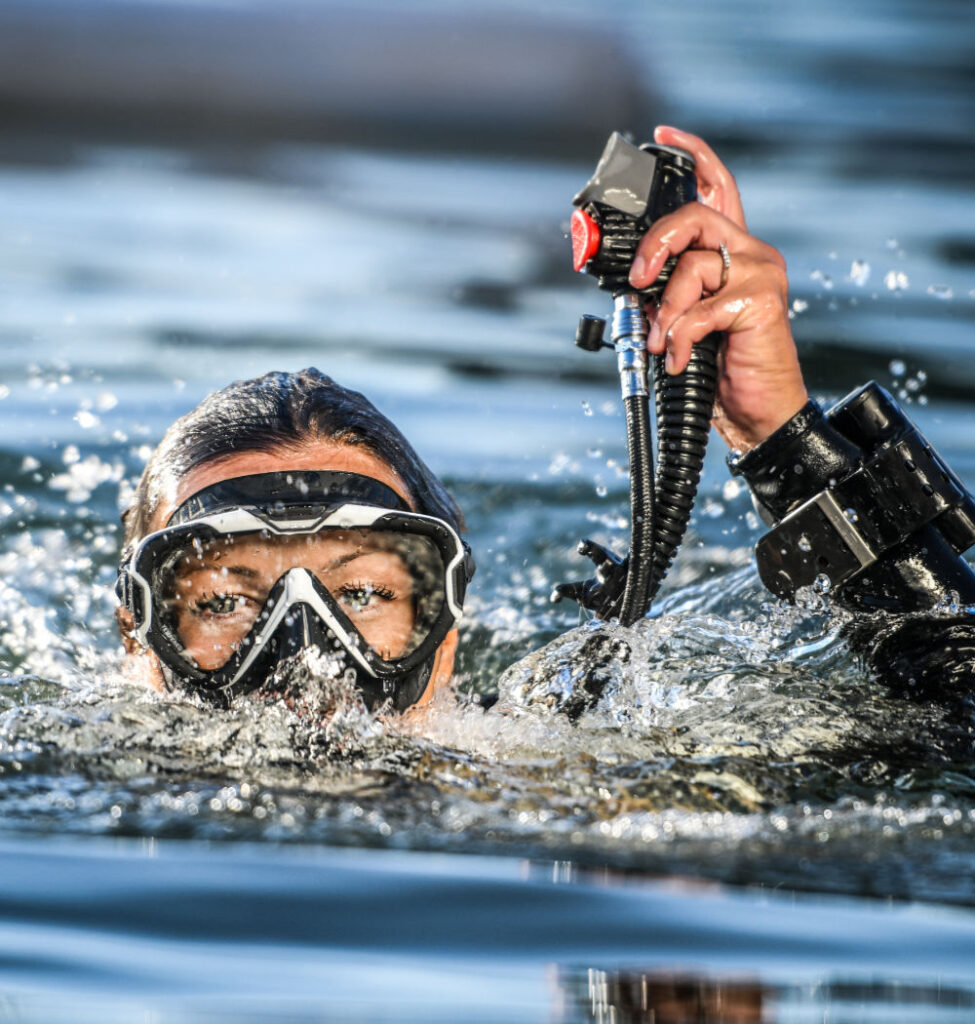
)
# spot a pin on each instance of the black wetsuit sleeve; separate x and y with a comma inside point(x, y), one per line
point(800, 459)
point(918, 653)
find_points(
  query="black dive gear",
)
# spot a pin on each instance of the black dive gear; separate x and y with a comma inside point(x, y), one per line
point(251, 571)
point(630, 189)
point(886, 519)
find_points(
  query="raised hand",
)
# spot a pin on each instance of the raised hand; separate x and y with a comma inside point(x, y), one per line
point(725, 280)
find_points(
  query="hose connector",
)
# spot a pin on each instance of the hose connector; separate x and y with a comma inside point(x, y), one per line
point(629, 334)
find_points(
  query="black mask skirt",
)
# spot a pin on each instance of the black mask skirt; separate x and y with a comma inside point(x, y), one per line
point(250, 572)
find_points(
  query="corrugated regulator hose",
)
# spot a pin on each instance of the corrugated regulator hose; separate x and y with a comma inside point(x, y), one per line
point(661, 503)
point(637, 594)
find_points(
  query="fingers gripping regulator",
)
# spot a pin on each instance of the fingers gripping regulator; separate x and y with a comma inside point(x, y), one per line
point(631, 188)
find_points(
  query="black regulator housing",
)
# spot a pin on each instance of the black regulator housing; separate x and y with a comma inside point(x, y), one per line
point(632, 187)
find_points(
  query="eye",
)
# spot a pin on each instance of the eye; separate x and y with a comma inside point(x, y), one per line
point(360, 596)
point(219, 604)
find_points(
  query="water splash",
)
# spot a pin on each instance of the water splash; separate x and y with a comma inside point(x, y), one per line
point(896, 280)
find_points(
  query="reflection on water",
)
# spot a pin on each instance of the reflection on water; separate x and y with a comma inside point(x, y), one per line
point(623, 997)
point(660, 997)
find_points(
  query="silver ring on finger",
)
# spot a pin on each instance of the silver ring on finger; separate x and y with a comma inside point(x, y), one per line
point(725, 265)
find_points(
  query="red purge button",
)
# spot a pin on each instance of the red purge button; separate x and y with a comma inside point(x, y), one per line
point(585, 239)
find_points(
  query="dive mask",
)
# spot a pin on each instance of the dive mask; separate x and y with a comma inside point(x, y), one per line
point(251, 571)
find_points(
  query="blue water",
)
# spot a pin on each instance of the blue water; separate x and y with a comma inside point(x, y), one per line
point(243, 933)
point(744, 820)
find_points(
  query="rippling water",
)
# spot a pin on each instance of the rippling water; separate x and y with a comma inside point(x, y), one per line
point(727, 738)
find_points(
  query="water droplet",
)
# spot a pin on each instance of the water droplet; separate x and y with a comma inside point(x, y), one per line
point(586, 408)
point(804, 543)
point(897, 367)
point(86, 420)
point(859, 272)
point(799, 305)
point(896, 280)
point(822, 584)
point(892, 243)
point(850, 515)
point(730, 490)
point(941, 291)
point(824, 279)
point(601, 490)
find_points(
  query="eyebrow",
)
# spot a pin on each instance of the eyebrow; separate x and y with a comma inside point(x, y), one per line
point(230, 570)
point(345, 559)
point(247, 572)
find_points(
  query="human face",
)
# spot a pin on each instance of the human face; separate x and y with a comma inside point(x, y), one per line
point(273, 559)
point(217, 589)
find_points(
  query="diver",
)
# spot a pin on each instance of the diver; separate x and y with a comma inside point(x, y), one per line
point(284, 515)
point(287, 515)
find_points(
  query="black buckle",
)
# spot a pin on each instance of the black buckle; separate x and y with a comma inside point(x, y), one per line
point(123, 588)
point(818, 539)
point(846, 528)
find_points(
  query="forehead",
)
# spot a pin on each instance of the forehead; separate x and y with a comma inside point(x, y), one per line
point(320, 455)
point(329, 549)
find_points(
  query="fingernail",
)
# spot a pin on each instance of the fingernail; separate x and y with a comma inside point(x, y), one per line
point(638, 271)
point(653, 338)
point(669, 362)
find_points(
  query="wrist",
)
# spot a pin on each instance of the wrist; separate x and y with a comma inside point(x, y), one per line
point(762, 427)
point(744, 433)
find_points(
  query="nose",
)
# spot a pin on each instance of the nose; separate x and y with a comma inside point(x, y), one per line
point(300, 630)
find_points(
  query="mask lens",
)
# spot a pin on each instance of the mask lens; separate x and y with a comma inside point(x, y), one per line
point(213, 593)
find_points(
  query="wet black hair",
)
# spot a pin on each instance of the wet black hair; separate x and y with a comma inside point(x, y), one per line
point(272, 412)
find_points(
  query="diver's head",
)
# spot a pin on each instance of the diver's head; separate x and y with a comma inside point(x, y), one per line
point(283, 513)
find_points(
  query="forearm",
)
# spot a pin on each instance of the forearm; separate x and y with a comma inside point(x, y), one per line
point(893, 543)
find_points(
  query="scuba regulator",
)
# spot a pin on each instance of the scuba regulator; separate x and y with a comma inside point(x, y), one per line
point(632, 187)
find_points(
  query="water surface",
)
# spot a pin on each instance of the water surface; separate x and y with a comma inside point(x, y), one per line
point(736, 741)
